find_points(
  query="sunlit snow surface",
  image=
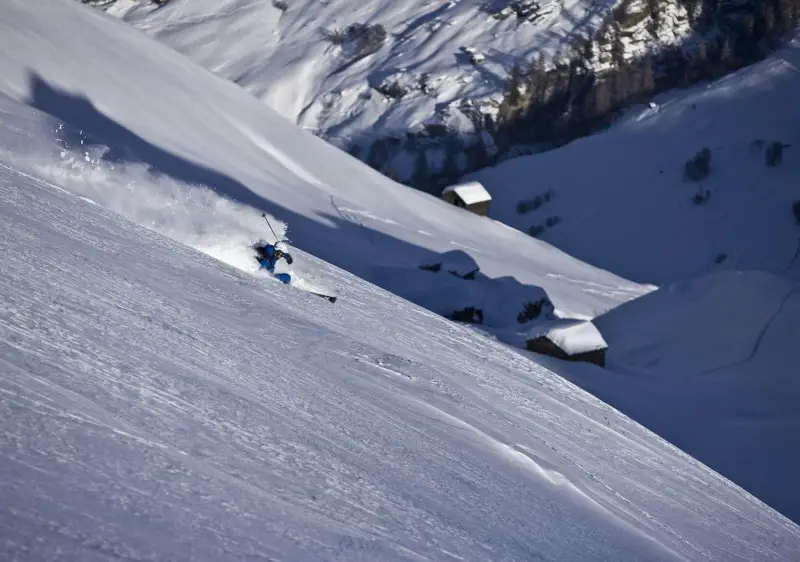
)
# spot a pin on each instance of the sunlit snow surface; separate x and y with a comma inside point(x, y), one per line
point(164, 403)
point(158, 404)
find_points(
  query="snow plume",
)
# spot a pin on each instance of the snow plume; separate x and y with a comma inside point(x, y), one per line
point(191, 214)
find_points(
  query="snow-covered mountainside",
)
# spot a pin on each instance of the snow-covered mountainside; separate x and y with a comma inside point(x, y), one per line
point(147, 144)
point(411, 87)
point(644, 201)
point(159, 404)
point(710, 365)
point(708, 362)
point(289, 55)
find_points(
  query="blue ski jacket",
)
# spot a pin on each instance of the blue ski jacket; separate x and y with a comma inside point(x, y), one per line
point(268, 260)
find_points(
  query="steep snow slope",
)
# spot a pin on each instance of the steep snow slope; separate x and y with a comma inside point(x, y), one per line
point(711, 365)
point(158, 404)
point(624, 204)
point(284, 58)
point(153, 141)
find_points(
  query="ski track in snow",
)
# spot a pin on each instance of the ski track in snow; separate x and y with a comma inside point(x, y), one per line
point(759, 338)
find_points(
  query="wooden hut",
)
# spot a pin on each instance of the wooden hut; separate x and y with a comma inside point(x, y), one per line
point(579, 341)
point(471, 196)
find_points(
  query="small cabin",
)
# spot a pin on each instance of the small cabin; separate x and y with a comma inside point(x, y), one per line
point(573, 342)
point(471, 196)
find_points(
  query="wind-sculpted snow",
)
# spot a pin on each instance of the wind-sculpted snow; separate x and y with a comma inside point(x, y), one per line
point(158, 404)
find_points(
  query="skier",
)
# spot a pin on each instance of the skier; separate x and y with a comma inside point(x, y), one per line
point(268, 255)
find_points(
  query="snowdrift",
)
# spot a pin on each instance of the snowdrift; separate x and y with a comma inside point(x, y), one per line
point(619, 200)
point(711, 365)
point(452, 285)
point(159, 404)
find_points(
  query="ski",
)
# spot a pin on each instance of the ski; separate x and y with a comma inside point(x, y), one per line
point(329, 297)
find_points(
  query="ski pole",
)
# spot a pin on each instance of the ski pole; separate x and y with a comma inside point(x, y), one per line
point(264, 216)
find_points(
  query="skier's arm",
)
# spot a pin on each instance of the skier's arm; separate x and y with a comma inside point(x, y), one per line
point(289, 259)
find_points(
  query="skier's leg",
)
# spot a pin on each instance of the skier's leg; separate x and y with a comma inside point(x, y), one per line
point(283, 277)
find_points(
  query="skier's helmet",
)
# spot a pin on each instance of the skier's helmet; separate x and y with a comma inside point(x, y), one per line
point(281, 247)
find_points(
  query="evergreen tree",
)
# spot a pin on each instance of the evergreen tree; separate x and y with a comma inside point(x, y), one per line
point(785, 15)
point(694, 10)
point(602, 98)
point(477, 155)
point(654, 23)
point(513, 85)
point(512, 99)
point(620, 86)
point(725, 56)
point(450, 170)
point(542, 91)
point(422, 172)
point(700, 60)
point(771, 29)
point(378, 154)
point(749, 28)
point(769, 19)
point(747, 38)
point(648, 83)
point(618, 49)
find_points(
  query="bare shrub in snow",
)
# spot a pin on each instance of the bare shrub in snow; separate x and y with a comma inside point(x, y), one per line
point(529, 205)
point(536, 230)
point(366, 39)
point(372, 38)
point(400, 84)
point(698, 167)
point(702, 197)
point(531, 310)
point(774, 153)
point(468, 314)
point(282, 5)
point(552, 221)
point(336, 36)
point(393, 89)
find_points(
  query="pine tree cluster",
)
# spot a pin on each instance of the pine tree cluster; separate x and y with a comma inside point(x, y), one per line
point(561, 101)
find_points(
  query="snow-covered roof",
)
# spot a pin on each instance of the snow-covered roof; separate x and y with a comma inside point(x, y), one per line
point(576, 338)
point(470, 193)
